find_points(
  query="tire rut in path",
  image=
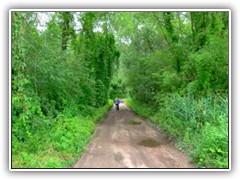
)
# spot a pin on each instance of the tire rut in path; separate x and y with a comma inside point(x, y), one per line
point(119, 143)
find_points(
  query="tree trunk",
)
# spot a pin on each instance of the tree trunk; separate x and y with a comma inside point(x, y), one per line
point(65, 29)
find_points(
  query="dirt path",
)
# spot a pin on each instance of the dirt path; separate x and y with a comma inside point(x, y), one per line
point(124, 140)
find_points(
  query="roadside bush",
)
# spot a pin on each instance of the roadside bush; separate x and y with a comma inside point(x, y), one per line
point(140, 108)
point(58, 145)
point(199, 125)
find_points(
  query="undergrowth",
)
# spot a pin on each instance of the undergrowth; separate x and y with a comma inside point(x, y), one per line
point(59, 143)
point(200, 126)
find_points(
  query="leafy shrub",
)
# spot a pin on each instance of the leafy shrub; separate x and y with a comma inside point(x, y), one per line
point(140, 108)
point(60, 141)
point(211, 146)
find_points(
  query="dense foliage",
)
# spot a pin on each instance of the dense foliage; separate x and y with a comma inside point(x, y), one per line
point(173, 66)
point(60, 86)
point(177, 66)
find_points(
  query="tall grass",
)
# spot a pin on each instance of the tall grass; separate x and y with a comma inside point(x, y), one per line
point(200, 126)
